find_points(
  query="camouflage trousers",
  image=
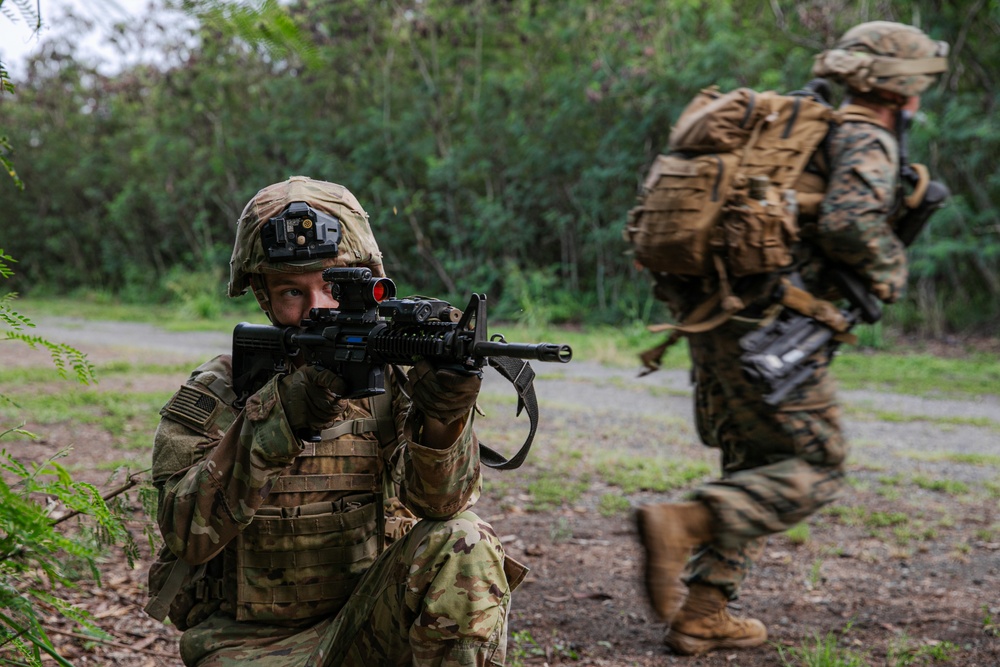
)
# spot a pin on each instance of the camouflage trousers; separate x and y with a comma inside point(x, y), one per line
point(437, 597)
point(779, 464)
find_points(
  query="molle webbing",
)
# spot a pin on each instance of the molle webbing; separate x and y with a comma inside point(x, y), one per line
point(352, 427)
point(305, 566)
point(340, 448)
point(329, 482)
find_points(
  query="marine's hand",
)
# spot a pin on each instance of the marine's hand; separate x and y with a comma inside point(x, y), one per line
point(311, 398)
point(442, 394)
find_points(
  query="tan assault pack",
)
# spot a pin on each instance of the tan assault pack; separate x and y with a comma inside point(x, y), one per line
point(725, 198)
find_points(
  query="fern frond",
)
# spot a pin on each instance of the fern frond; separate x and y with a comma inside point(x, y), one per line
point(64, 357)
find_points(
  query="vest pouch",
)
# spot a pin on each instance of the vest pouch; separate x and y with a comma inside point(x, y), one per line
point(291, 568)
point(673, 227)
point(758, 233)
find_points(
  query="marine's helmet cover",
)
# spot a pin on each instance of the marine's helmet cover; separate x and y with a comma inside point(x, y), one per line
point(884, 56)
point(357, 246)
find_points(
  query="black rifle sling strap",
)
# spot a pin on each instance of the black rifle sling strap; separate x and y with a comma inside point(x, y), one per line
point(520, 374)
point(159, 603)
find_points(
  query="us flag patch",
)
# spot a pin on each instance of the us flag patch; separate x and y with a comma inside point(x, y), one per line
point(192, 407)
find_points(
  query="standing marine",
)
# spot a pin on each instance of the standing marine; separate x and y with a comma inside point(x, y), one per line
point(782, 463)
point(282, 552)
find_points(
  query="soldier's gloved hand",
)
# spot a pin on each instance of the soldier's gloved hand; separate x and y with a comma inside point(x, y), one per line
point(311, 398)
point(441, 393)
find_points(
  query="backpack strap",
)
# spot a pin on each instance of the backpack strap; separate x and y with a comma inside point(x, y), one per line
point(697, 321)
point(855, 113)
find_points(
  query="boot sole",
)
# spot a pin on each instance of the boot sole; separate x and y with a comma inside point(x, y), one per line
point(683, 644)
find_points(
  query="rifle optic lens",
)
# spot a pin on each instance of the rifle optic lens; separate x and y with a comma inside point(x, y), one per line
point(382, 289)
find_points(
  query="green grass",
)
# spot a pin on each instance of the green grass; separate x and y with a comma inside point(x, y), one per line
point(919, 374)
point(798, 534)
point(41, 374)
point(128, 417)
point(948, 486)
point(861, 516)
point(612, 504)
point(552, 492)
point(985, 460)
point(821, 652)
point(639, 473)
point(902, 418)
point(93, 306)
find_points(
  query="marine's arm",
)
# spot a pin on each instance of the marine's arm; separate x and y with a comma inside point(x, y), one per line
point(853, 227)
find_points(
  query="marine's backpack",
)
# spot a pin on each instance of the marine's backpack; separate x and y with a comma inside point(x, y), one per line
point(724, 199)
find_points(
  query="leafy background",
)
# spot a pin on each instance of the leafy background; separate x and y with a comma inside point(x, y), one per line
point(496, 145)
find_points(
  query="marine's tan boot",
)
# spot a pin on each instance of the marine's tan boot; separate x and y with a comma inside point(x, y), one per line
point(669, 532)
point(704, 624)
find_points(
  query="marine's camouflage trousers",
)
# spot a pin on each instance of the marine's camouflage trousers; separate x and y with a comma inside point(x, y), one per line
point(438, 596)
point(779, 465)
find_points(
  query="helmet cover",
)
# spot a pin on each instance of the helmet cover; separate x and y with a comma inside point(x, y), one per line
point(886, 56)
point(357, 246)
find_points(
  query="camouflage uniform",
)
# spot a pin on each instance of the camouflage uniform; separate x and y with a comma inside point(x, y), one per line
point(293, 534)
point(781, 464)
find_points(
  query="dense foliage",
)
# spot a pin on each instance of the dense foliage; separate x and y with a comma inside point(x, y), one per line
point(496, 145)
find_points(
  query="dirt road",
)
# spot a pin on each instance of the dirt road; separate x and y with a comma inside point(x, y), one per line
point(907, 563)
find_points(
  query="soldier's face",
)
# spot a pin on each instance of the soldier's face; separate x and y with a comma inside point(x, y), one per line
point(294, 294)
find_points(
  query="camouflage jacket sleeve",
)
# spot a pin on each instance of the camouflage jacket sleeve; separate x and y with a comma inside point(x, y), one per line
point(437, 483)
point(207, 503)
point(853, 227)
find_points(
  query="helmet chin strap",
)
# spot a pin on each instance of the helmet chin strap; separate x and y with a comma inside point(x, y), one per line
point(260, 293)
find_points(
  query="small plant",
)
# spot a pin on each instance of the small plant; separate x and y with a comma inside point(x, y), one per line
point(815, 574)
point(948, 486)
point(821, 652)
point(902, 652)
point(561, 531)
point(878, 519)
point(612, 504)
point(551, 492)
point(643, 473)
point(990, 625)
point(798, 534)
point(522, 645)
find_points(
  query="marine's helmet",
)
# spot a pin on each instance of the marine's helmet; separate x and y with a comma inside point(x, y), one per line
point(299, 226)
point(884, 56)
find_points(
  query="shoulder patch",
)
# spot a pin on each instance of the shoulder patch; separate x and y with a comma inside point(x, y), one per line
point(193, 408)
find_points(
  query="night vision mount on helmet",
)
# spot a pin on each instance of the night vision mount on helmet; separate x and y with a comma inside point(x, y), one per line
point(300, 232)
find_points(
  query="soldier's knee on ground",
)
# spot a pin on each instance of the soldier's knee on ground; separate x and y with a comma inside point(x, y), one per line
point(456, 582)
point(458, 593)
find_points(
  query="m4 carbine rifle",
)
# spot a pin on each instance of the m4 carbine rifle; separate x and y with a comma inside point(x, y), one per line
point(371, 330)
point(778, 356)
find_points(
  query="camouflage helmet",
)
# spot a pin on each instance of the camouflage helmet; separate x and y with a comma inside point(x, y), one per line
point(357, 246)
point(886, 56)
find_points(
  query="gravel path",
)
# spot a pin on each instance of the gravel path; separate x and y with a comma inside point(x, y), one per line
point(900, 432)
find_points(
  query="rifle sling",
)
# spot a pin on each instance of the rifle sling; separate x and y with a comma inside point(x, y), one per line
point(520, 374)
point(159, 605)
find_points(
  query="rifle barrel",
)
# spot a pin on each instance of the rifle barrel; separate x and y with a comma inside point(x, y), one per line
point(540, 351)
